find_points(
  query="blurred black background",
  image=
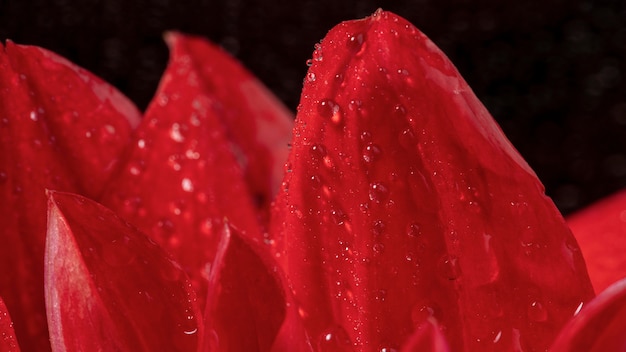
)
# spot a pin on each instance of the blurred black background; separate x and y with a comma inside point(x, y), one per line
point(553, 73)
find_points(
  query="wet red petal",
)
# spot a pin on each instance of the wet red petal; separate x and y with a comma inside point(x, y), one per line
point(256, 123)
point(403, 201)
point(8, 342)
point(108, 287)
point(249, 306)
point(601, 233)
point(599, 326)
point(427, 337)
point(61, 128)
point(181, 179)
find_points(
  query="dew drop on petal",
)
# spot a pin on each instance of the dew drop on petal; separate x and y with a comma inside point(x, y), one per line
point(371, 153)
point(318, 151)
point(176, 134)
point(330, 110)
point(334, 338)
point(378, 192)
point(187, 185)
point(407, 139)
point(449, 267)
point(413, 229)
point(537, 312)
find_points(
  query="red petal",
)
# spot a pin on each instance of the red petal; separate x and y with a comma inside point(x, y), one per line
point(256, 123)
point(8, 342)
point(108, 287)
point(601, 234)
point(181, 179)
point(599, 326)
point(248, 302)
point(427, 337)
point(62, 128)
point(403, 199)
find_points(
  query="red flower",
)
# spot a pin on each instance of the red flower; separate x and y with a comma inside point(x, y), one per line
point(405, 219)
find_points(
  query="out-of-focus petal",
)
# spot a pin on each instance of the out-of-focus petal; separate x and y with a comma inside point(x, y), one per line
point(601, 233)
point(257, 124)
point(61, 128)
point(249, 306)
point(404, 200)
point(181, 179)
point(108, 287)
point(599, 326)
point(427, 337)
point(8, 342)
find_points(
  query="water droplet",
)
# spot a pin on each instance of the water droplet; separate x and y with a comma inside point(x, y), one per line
point(413, 229)
point(141, 144)
point(449, 267)
point(311, 77)
point(356, 43)
point(316, 182)
point(371, 152)
point(537, 312)
point(378, 228)
point(175, 133)
point(33, 115)
point(378, 248)
point(388, 349)
point(399, 111)
point(328, 109)
point(338, 216)
point(334, 338)
point(355, 105)
point(318, 151)
point(187, 185)
point(317, 53)
point(309, 62)
point(407, 139)
point(378, 192)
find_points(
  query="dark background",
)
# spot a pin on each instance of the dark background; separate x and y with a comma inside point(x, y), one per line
point(553, 73)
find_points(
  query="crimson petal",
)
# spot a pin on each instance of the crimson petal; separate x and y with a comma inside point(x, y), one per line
point(249, 307)
point(181, 179)
point(257, 124)
point(403, 201)
point(8, 342)
point(601, 233)
point(61, 128)
point(599, 326)
point(108, 287)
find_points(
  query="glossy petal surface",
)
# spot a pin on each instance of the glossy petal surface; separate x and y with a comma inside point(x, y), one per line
point(601, 233)
point(108, 287)
point(181, 179)
point(249, 305)
point(8, 342)
point(403, 200)
point(257, 124)
point(61, 128)
point(599, 326)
